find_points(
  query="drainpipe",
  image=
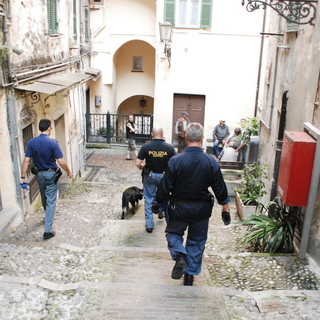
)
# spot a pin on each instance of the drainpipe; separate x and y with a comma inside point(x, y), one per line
point(260, 61)
point(274, 87)
point(277, 157)
point(15, 150)
point(12, 118)
point(313, 131)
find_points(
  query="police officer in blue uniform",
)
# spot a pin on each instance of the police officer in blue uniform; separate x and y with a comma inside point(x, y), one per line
point(156, 154)
point(44, 152)
point(185, 184)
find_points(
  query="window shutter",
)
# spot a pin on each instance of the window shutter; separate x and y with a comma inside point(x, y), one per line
point(52, 16)
point(169, 11)
point(206, 12)
point(86, 23)
point(75, 20)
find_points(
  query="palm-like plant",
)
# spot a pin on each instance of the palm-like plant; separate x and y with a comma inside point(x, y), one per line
point(274, 232)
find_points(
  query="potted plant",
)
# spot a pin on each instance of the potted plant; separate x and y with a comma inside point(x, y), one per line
point(274, 229)
point(250, 127)
point(251, 190)
point(250, 138)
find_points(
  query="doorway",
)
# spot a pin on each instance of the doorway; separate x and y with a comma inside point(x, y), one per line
point(193, 104)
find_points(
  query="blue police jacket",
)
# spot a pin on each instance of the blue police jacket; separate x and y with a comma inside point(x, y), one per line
point(186, 184)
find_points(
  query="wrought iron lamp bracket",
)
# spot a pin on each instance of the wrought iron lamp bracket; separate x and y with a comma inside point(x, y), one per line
point(294, 11)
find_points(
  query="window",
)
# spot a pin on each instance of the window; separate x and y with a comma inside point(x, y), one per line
point(137, 64)
point(52, 17)
point(189, 13)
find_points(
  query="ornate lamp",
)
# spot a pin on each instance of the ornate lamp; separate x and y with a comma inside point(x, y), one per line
point(294, 11)
point(166, 38)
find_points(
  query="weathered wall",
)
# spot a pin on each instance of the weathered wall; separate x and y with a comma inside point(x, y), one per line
point(297, 70)
point(7, 185)
point(29, 32)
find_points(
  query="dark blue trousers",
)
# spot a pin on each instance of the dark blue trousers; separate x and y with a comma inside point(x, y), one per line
point(195, 243)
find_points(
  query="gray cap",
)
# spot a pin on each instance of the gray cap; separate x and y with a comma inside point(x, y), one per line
point(184, 113)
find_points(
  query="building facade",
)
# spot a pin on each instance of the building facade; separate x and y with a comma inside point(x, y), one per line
point(45, 58)
point(213, 67)
point(289, 101)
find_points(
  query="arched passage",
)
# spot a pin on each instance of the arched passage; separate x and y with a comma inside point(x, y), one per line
point(134, 64)
point(137, 105)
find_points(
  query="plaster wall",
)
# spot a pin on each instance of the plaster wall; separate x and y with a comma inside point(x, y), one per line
point(134, 83)
point(7, 183)
point(220, 63)
point(29, 32)
point(298, 72)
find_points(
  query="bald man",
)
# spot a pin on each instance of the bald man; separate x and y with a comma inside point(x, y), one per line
point(152, 159)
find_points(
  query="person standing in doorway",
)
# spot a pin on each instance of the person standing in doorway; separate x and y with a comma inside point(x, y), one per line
point(45, 152)
point(180, 129)
point(130, 134)
point(185, 184)
point(156, 154)
point(220, 134)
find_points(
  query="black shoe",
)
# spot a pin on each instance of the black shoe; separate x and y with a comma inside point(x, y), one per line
point(149, 230)
point(160, 215)
point(188, 280)
point(48, 235)
point(178, 268)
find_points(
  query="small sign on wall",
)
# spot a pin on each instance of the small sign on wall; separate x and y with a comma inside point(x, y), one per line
point(98, 101)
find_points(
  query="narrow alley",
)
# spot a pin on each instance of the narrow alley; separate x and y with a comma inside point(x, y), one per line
point(101, 267)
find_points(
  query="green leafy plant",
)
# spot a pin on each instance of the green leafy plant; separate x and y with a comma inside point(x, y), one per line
point(102, 131)
point(274, 230)
point(3, 53)
point(252, 187)
point(250, 127)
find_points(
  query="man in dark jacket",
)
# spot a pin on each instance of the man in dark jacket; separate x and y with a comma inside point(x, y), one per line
point(220, 134)
point(130, 135)
point(156, 155)
point(185, 184)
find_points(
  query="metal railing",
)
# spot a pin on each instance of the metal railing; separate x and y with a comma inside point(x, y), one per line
point(111, 128)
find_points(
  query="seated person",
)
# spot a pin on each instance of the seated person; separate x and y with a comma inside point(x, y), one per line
point(234, 140)
point(220, 134)
point(234, 148)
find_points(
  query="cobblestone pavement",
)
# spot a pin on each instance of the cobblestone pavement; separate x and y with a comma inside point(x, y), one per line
point(101, 267)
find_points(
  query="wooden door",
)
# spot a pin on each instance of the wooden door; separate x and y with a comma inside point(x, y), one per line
point(193, 104)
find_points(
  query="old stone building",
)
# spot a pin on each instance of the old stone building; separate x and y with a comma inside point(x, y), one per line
point(289, 100)
point(45, 57)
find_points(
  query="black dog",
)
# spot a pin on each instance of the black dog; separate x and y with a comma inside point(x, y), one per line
point(131, 195)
